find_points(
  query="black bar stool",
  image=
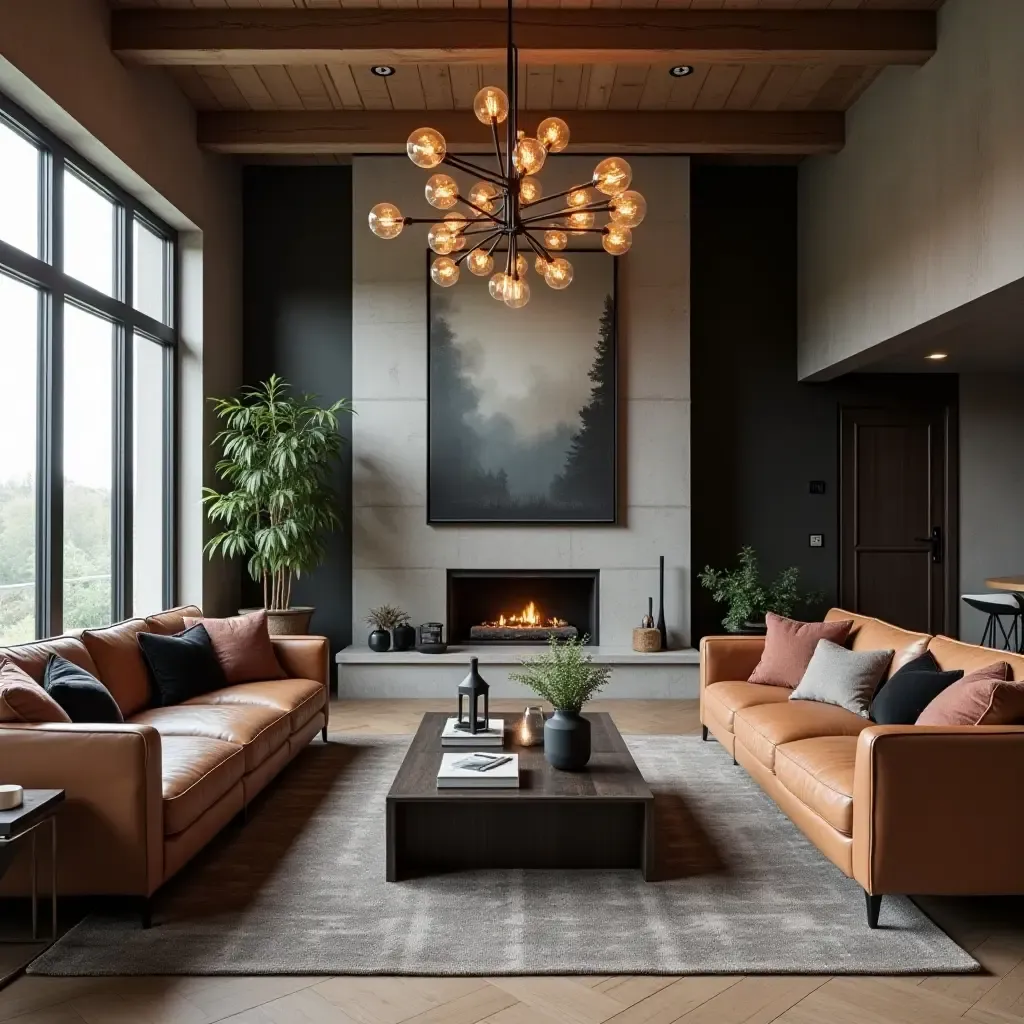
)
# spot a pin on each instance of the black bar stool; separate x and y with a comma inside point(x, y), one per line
point(999, 607)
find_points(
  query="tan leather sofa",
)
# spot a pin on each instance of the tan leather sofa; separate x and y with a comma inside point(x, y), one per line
point(144, 797)
point(917, 810)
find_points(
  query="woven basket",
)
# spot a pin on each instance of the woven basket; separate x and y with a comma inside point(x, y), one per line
point(646, 641)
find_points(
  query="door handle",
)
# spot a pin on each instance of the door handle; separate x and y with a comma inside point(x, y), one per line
point(935, 540)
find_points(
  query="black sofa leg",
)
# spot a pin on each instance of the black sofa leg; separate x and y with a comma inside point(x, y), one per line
point(704, 733)
point(874, 904)
point(323, 734)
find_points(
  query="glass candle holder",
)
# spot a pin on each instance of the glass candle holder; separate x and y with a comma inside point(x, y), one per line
point(531, 729)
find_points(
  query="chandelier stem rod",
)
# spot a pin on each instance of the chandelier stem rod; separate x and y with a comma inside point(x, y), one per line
point(559, 195)
point(494, 234)
point(497, 144)
point(537, 247)
point(566, 211)
point(471, 168)
point(480, 210)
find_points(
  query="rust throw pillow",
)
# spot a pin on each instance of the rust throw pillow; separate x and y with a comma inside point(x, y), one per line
point(985, 697)
point(789, 646)
point(243, 648)
point(22, 699)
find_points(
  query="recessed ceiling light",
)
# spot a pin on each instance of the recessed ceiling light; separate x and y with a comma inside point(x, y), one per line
point(937, 355)
point(382, 70)
point(681, 70)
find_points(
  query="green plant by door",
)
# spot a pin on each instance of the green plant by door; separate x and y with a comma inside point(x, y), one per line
point(279, 453)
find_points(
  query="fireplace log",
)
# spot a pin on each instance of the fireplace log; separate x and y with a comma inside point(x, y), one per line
point(521, 634)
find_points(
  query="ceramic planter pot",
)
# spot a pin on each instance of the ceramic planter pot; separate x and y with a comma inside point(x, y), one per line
point(567, 741)
point(379, 641)
point(404, 638)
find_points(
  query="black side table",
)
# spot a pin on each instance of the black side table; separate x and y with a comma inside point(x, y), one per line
point(39, 806)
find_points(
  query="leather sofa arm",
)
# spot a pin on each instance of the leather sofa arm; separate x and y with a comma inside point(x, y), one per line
point(935, 809)
point(306, 657)
point(113, 813)
point(728, 657)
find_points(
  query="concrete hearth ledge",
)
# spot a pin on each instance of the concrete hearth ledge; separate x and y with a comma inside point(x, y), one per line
point(510, 655)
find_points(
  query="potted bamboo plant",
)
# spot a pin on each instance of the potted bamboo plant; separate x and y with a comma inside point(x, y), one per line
point(279, 452)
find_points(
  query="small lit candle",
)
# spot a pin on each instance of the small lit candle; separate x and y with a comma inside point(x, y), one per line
point(524, 735)
point(531, 729)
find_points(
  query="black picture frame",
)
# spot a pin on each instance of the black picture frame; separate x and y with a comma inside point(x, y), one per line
point(610, 515)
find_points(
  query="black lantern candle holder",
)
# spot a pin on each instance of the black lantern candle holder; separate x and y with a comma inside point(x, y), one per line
point(473, 689)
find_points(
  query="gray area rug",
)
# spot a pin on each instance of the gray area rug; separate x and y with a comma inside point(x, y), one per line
point(300, 890)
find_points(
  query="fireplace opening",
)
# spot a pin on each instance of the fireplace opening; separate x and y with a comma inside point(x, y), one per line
point(522, 606)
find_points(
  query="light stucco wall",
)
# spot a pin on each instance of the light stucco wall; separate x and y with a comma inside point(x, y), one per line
point(923, 210)
point(397, 556)
point(55, 61)
point(991, 486)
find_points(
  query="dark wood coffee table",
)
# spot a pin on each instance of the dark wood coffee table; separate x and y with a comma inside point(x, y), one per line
point(602, 817)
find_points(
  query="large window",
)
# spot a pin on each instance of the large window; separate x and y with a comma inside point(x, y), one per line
point(87, 360)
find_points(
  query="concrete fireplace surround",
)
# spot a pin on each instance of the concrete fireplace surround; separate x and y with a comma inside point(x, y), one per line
point(400, 559)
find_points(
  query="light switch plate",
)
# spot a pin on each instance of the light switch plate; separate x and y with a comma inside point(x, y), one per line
point(817, 540)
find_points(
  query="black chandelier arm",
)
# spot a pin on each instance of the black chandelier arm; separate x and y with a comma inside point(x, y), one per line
point(420, 220)
point(479, 209)
point(495, 235)
point(471, 168)
point(590, 207)
point(497, 144)
point(499, 235)
point(489, 230)
point(537, 247)
point(559, 195)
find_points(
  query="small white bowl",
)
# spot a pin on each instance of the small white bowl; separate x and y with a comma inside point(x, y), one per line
point(10, 797)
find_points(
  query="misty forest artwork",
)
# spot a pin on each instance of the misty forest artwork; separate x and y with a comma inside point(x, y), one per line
point(522, 403)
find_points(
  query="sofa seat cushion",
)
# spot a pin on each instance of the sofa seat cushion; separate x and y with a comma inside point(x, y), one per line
point(197, 772)
point(819, 772)
point(726, 698)
point(259, 731)
point(300, 698)
point(761, 729)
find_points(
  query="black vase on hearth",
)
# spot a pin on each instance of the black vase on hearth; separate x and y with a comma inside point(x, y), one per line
point(379, 641)
point(403, 638)
point(567, 741)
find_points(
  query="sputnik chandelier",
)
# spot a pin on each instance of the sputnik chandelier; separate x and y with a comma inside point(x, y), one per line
point(501, 205)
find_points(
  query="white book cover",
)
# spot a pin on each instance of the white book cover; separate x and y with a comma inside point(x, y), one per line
point(504, 776)
point(493, 737)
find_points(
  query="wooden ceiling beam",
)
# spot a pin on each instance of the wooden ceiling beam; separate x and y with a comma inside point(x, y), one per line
point(544, 36)
point(593, 131)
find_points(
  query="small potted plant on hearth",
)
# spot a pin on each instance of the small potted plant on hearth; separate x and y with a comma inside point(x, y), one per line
point(386, 619)
point(565, 676)
point(280, 452)
point(749, 599)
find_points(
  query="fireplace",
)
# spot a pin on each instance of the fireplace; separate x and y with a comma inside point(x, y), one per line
point(521, 606)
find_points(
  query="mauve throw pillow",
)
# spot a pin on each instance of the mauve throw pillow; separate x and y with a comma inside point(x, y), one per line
point(985, 697)
point(243, 648)
point(22, 699)
point(789, 646)
point(910, 690)
point(845, 678)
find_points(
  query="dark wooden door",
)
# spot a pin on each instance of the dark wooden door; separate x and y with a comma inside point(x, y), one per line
point(898, 551)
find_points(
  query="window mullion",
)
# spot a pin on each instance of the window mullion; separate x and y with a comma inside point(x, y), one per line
point(123, 461)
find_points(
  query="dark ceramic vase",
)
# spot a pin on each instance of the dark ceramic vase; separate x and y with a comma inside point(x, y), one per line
point(404, 638)
point(380, 641)
point(567, 741)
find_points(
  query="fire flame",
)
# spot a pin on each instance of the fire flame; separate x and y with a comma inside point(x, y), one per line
point(528, 618)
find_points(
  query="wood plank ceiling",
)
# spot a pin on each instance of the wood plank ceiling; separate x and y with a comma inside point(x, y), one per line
point(299, 85)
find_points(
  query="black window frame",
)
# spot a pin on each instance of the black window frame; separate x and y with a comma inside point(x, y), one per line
point(55, 288)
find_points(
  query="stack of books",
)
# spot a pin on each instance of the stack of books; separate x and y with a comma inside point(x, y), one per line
point(493, 737)
point(478, 771)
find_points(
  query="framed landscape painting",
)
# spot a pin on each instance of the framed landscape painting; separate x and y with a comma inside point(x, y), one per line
point(522, 417)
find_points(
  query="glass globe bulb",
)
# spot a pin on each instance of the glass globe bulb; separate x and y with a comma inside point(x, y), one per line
point(441, 191)
point(498, 285)
point(617, 239)
point(522, 265)
point(628, 209)
point(530, 190)
point(540, 264)
point(555, 240)
point(558, 274)
point(578, 197)
point(517, 293)
point(480, 262)
point(457, 223)
point(529, 156)
point(490, 105)
point(580, 221)
point(483, 193)
point(441, 239)
point(553, 132)
point(386, 220)
point(612, 176)
point(444, 271)
point(426, 148)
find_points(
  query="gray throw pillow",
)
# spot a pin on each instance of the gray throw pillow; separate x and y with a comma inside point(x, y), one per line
point(845, 678)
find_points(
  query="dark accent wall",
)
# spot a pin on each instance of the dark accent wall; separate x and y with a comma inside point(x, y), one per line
point(298, 323)
point(759, 436)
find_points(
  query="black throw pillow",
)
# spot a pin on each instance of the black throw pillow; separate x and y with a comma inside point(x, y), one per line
point(79, 693)
point(910, 690)
point(181, 666)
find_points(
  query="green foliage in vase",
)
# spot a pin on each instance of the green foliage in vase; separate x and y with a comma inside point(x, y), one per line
point(747, 597)
point(564, 675)
point(387, 616)
point(279, 453)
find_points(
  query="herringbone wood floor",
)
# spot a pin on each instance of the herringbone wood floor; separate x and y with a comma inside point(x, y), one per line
point(992, 930)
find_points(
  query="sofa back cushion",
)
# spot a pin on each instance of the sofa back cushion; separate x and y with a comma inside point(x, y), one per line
point(173, 620)
point(33, 658)
point(868, 634)
point(788, 648)
point(984, 697)
point(119, 663)
point(952, 654)
point(22, 699)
